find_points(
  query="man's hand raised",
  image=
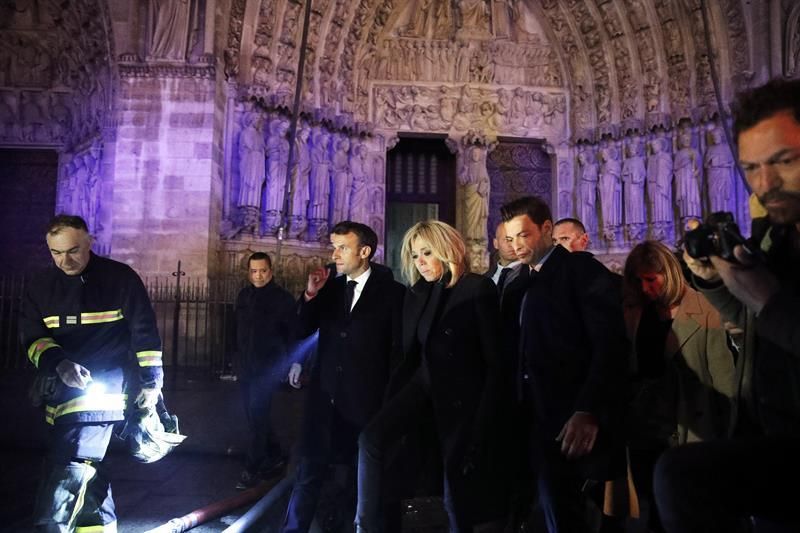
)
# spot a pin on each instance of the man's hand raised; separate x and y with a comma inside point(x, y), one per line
point(316, 280)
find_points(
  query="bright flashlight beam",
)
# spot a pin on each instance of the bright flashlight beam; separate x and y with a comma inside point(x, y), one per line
point(95, 388)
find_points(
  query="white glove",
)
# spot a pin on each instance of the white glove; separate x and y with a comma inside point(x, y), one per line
point(73, 374)
point(294, 375)
point(147, 398)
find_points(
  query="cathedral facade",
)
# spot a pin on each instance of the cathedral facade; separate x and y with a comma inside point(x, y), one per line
point(172, 131)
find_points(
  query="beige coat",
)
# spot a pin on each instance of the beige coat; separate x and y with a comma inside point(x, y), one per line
point(693, 399)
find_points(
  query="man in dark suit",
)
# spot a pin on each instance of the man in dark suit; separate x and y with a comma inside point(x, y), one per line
point(571, 234)
point(358, 315)
point(571, 366)
point(505, 265)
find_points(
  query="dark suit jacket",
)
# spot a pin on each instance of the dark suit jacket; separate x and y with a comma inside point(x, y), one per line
point(459, 347)
point(355, 353)
point(573, 350)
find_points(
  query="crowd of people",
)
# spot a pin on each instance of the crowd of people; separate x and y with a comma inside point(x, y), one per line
point(546, 383)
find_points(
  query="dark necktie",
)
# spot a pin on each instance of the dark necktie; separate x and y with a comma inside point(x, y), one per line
point(349, 292)
point(502, 280)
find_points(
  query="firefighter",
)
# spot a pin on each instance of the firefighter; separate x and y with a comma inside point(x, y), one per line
point(83, 323)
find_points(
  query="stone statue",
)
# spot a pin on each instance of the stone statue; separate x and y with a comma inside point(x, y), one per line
point(718, 163)
point(359, 196)
point(277, 159)
point(686, 169)
point(473, 18)
point(423, 20)
point(252, 169)
point(170, 23)
point(659, 185)
point(610, 190)
point(320, 184)
point(342, 179)
point(300, 183)
point(633, 178)
point(474, 177)
point(588, 188)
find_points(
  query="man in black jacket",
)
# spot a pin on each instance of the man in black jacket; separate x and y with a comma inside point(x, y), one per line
point(264, 316)
point(716, 486)
point(571, 367)
point(358, 315)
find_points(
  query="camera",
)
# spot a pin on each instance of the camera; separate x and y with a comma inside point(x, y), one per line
point(718, 235)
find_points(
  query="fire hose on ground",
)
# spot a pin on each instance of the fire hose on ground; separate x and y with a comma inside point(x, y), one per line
point(269, 494)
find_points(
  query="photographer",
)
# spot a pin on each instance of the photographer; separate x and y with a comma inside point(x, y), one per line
point(718, 486)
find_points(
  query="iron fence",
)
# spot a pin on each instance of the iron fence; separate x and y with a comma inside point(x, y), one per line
point(195, 319)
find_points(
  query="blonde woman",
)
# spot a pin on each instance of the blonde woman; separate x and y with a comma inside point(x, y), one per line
point(450, 373)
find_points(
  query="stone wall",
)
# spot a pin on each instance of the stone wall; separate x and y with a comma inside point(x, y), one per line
point(163, 170)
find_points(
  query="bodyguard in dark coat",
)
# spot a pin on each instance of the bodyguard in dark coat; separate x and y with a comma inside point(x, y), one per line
point(572, 365)
point(450, 340)
point(358, 318)
point(264, 320)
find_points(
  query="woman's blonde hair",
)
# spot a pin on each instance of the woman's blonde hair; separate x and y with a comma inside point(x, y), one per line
point(446, 245)
point(652, 256)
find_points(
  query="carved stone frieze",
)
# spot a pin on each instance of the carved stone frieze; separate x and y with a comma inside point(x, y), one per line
point(511, 111)
point(155, 70)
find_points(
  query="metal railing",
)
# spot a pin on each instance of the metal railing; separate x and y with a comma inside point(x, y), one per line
point(195, 320)
point(12, 354)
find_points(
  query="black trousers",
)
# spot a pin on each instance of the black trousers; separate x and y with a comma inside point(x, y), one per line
point(402, 415)
point(263, 450)
point(559, 486)
point(327, 439)
point(712, 487)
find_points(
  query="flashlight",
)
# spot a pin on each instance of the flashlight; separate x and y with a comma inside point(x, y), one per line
point(95, 388)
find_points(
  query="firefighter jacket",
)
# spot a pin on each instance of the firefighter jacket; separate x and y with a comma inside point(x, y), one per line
point(101, 319)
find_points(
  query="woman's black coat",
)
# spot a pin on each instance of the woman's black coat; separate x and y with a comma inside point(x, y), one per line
point(465, 369)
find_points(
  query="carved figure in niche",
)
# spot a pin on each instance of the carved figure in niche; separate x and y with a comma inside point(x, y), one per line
point(422, 20)
point(300, 182)
point(518, 105)
point(170, 23)
point(90, 183)
point(473, 18)
point(277, 160)
point(462, 62)
point(610, 190)
point(659, 185)
point(61, 117)
point(686, 169)
point(252, 169)
point(320, 184)
point(587, 210)
point(634, 175)
point(506, 13)
point(564, 190)
point(8, 116)
point(342, 179)
point(33, 117)
point(444, 20)
point(718, 163)
point(474, 177)
point(534, 111)
point(359, 196)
